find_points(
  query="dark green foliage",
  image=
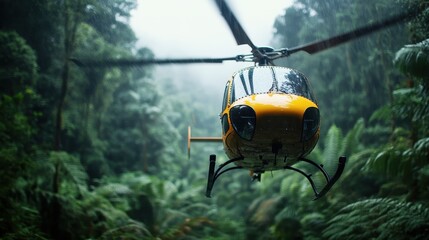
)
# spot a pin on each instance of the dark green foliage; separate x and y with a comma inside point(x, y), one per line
point(405, 165)
point(379, 219)
point(107, 18)
point(352, 80)
point(405, 157)
point(18, 63)
point(414, 59)
point(26, 223)
point(17, 129)
point(418, 27)
point(38, 22)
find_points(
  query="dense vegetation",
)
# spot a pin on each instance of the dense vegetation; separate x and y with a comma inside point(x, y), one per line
point(100, 153)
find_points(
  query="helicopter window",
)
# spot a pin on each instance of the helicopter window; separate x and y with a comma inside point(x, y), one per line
point(225, 124)
point(252, 90)
point(294, 82)
point(251, 81)
point(244, 84)
point(225, 97)
point(256, 80)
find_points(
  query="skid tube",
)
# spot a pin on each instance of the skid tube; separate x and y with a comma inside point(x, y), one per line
point(330, 181)
point(213, 175)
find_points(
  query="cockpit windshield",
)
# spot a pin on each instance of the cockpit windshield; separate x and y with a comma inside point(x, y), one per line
point(265, 79)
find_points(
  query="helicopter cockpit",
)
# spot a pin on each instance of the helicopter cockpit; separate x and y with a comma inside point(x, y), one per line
point(270, 79)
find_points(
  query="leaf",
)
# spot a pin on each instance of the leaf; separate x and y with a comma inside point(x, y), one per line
point(352, 140)
point(332, 148)
point(381, 218)
point(413, 59)
point(71, 166)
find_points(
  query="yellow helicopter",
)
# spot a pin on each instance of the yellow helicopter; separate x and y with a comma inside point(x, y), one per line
point(270, 118)
point(270, 121)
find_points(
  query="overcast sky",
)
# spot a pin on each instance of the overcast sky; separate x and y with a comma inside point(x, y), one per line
point(195, 28)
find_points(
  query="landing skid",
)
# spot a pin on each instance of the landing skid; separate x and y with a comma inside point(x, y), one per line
point(330, 181)
point(213, 175)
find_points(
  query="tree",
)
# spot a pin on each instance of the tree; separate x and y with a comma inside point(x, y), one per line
point(346, 79)
point(17, 129)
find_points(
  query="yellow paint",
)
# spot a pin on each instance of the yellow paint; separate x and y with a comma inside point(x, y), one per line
point(279, 118)
point(276, 104)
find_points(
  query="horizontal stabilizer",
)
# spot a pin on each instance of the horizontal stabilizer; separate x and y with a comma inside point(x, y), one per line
point(199, 139)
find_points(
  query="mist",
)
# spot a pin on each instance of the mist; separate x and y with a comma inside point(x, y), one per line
point(196, 29)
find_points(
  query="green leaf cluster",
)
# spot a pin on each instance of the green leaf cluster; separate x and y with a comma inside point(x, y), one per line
point(379, 219)
point(413, 59)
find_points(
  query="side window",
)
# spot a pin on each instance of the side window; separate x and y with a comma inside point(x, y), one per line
point(225, 97)
point(225, 124)
point(232, 97)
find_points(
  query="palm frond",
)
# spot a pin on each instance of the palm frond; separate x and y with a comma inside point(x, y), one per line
point(413, 59)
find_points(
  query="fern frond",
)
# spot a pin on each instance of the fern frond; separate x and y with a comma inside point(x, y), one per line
point(131, 230)
point(71, 166)
point(382, 218)
point(402, 163)
point(332, 148)
point(352, 140)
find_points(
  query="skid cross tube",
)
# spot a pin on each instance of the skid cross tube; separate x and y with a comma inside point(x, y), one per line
point(213, 175)
point(330, 181)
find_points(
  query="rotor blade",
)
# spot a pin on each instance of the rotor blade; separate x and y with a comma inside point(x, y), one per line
point(235, 26)
point(318, 46)
point(143, 62)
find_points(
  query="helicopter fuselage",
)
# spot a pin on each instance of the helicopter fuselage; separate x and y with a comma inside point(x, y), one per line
point(269, 128)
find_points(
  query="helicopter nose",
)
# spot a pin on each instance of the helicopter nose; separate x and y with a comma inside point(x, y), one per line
point(277, 125)
point(280, 117)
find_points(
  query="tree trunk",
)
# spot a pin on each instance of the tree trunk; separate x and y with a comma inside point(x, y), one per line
point(70, 27)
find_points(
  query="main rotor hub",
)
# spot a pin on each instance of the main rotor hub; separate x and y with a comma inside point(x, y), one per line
point(264, 55)
point(265, 49)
